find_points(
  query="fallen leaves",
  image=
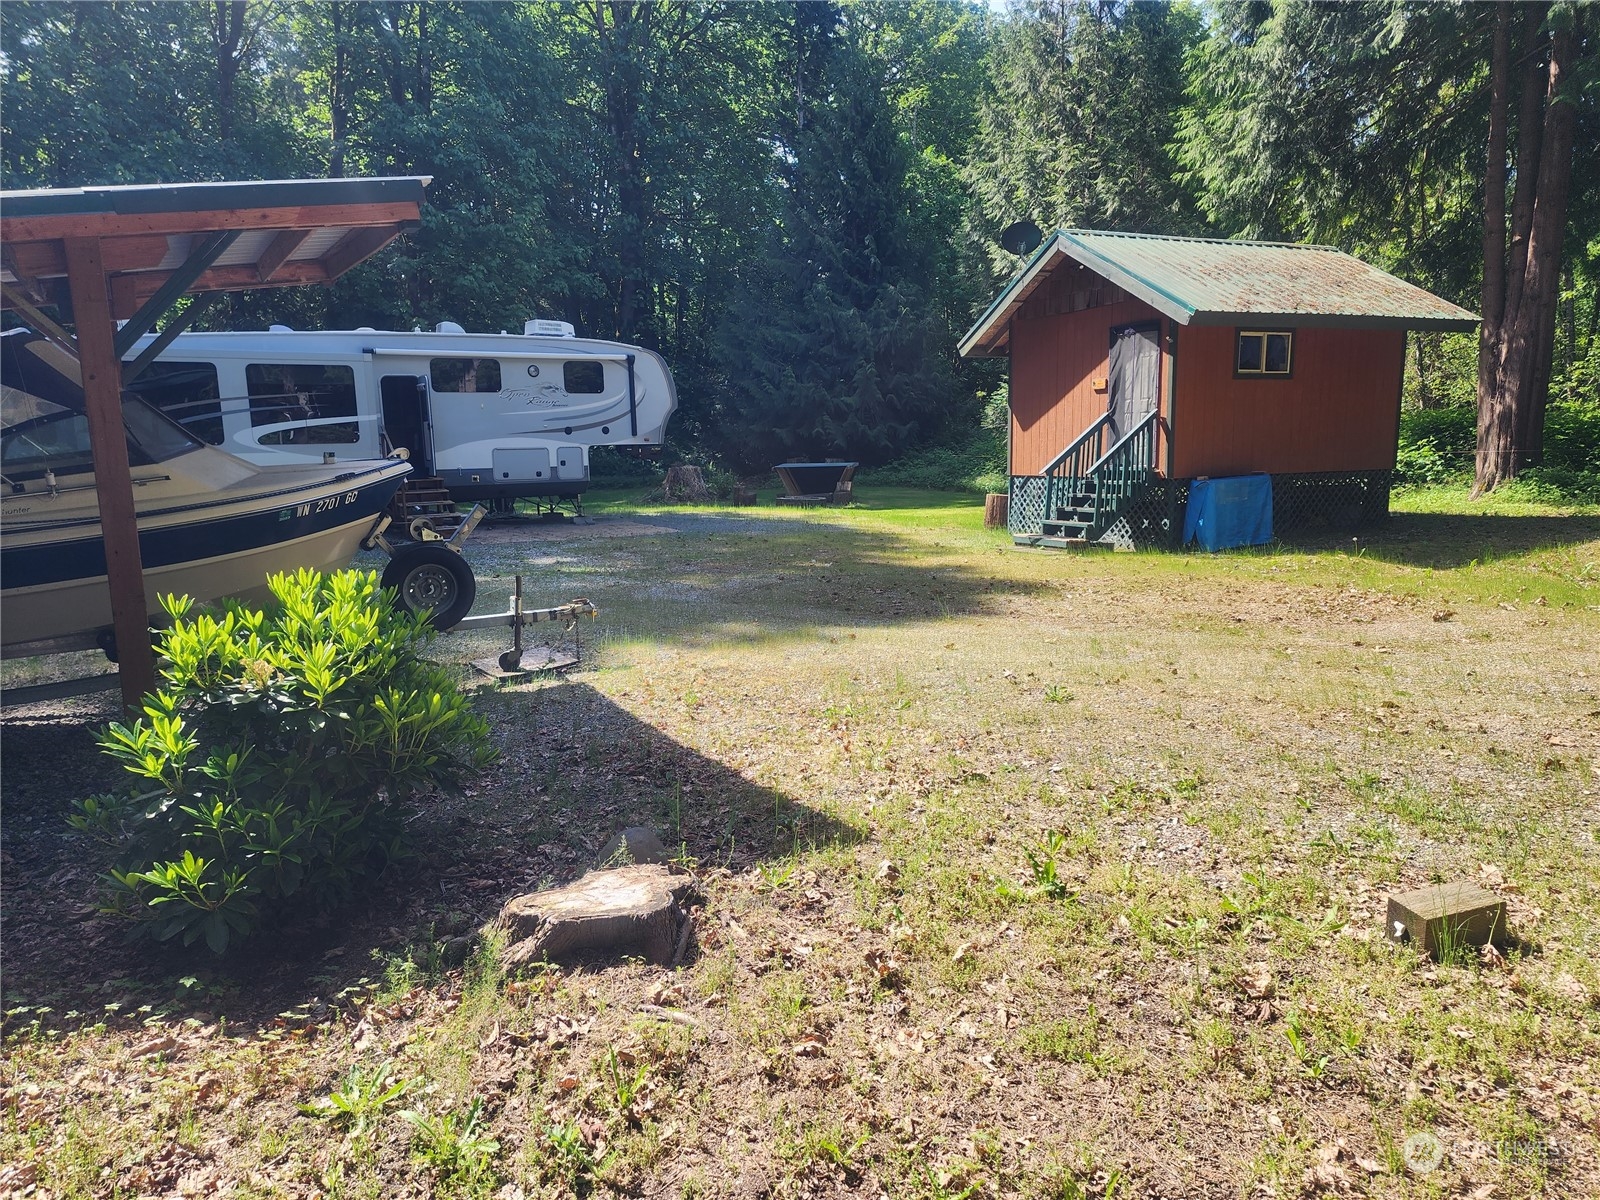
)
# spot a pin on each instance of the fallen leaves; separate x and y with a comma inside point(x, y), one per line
point(667, 992)
point(886, 969)
point(810, 1046)
point(155, 1046)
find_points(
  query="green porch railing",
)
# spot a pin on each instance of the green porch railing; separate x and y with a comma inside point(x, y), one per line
point(1068, 471)
point(1088, 479)
point(1122, 473)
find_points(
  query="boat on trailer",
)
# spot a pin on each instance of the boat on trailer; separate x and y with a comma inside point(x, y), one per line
point(494, 417)
point(210, 524)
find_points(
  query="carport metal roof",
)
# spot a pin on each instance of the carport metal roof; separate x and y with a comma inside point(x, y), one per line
point(110, 254)
point(1210, 281)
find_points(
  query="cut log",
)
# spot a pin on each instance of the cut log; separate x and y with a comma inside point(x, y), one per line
point(996, 510)
point(636, 909)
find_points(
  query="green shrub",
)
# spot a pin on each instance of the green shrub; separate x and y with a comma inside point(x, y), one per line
point(1553, 485)
point(976, 465)
point(1438, 445)
point(275, 761)
point(624, 467)
point(1572, 439)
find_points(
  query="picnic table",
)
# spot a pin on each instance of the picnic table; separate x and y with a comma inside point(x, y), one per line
point(816, 482)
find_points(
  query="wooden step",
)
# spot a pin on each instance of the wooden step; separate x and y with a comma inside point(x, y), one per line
point(425, 499)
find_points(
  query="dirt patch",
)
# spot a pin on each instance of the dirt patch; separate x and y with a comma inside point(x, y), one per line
point(1023, 875)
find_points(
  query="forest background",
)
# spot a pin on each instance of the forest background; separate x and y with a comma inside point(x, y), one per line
point(798, 204)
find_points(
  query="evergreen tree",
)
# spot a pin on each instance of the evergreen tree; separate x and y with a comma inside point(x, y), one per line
point(1396, 129)
point(1078, 120)
point(833, 349)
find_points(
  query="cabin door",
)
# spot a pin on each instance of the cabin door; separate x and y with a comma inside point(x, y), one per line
point(1133, 378)
point(405, 418)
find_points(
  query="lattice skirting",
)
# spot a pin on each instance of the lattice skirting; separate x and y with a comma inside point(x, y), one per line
point(1154, 520)
point(1027, 504)
point(1329, 501)
point(1302, 505)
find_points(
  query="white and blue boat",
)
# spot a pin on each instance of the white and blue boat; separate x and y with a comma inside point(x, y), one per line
point(210, 524)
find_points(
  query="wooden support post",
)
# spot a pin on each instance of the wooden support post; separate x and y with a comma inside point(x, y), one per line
point(108, 442)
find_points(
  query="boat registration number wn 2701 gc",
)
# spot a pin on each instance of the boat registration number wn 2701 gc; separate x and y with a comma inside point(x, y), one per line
point(326, 504)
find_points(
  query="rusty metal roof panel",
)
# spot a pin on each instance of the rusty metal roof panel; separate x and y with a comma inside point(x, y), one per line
point(1210, 281)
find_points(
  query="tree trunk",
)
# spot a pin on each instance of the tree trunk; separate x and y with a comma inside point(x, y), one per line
point(1524, 344)
point(1530, 130)
point(1425, 397)
point(339, 88)
point(1494, 424)
point(1512, 387)
point(624, 43)
point(227, 34)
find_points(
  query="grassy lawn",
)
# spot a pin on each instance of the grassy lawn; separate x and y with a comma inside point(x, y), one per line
point(1025, 873)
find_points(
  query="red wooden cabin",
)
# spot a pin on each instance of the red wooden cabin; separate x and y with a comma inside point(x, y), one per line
point(1140, 363)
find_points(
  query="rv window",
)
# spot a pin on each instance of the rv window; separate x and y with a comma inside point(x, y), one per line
point(465, 374)
point(188, 393)
point(583, 378)
point(282, 392)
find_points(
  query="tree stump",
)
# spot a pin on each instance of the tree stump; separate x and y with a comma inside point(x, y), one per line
point(685, 485)
point(634, 909)
point(996, 510)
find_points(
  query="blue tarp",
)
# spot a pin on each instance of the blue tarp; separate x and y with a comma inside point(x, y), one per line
point(1229, 512)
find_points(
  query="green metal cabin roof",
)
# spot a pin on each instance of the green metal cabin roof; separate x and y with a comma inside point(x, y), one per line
point(1210, 281)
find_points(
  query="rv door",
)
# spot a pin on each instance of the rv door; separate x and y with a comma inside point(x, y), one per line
point(406, 419)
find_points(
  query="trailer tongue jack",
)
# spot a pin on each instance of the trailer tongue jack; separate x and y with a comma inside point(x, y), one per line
point(518, 661)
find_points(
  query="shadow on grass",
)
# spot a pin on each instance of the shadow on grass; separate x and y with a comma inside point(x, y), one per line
point(1449, 540)
point(575, 768)
point(746, 577)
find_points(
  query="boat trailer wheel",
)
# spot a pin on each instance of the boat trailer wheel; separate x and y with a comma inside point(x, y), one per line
point(432, 579)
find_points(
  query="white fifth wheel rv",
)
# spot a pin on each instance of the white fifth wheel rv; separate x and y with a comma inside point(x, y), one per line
point(496, 417)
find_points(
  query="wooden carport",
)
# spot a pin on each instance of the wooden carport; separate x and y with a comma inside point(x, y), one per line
point(99, 256)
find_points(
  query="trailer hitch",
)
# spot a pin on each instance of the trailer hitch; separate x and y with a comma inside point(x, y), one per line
point(518, 661)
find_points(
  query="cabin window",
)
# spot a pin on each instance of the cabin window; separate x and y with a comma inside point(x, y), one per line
point(583, 378)
point(1265, 353)
point(465, 374)
point(303, 392)
point(188, 393)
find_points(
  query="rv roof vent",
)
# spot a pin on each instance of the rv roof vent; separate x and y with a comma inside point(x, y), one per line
point(280, 329)
point(365, 329)
point(549, 329)
point(448, 327)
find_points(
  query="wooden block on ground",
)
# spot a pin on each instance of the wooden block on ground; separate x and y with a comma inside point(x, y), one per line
point(1447, 914)
point(996, 510)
